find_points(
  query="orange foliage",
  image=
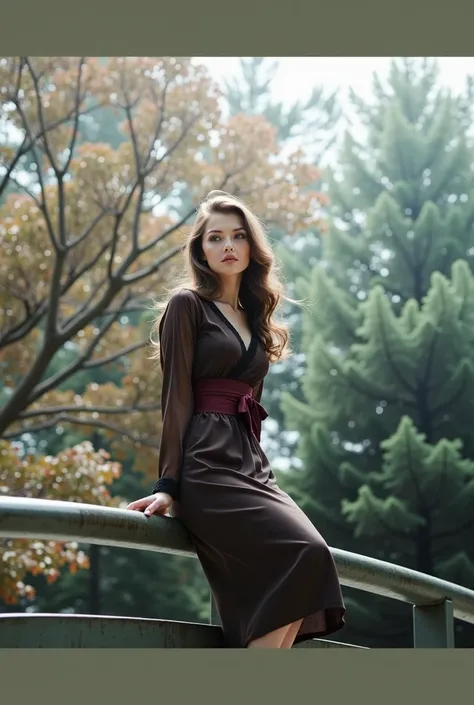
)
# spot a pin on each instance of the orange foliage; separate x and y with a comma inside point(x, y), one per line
point(78, 474)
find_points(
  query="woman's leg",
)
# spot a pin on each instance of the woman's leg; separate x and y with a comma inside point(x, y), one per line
point(272, 640)
point(282, 638)
point(290, 635)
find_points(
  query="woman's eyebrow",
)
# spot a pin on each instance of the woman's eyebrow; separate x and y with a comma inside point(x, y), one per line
point(214, 230)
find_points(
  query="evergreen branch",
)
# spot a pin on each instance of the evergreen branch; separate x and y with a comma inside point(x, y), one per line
point(442, 482)
point(405, 255)
point(390, 360)
point(412, 475)
point(388, 528)
point(351, 379)
point(455, 532)
point(431, 353)
point(458, 394)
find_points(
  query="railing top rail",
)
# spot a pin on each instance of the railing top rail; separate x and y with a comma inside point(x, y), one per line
point(67, 521)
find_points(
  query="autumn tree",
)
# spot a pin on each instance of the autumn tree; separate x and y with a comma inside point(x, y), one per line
point(90, 232)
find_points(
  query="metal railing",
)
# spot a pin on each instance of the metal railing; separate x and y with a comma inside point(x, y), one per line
point(435, 602)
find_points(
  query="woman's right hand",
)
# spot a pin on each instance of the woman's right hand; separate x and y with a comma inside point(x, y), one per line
point(158, 503)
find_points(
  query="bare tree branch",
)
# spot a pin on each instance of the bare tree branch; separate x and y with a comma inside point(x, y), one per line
point(152, 268)
point(85, 306)
point(128, 309)
point(39, 173)
point(169, 231)
point(77, 114)
point(48, 410)
point(22, 150)
point(39, 108)
point(137, 215)
point(114, 356)
point(19, 399)
point(71, 244)
point(30, 140)
point(66, 372)
point(171, 149)
point(21, 330)
point(160, 120)
point(140, 440)
point(27, 298)
point(28, 192)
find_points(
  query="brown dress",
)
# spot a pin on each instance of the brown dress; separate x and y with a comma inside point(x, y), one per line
point(266, 564)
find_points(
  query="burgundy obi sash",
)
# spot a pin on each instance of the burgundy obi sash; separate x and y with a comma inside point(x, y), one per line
point(230, 396)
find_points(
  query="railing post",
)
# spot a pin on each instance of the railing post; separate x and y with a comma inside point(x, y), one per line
point(433, 626)
point(214, 618)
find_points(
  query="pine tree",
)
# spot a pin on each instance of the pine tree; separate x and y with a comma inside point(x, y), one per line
point(385, 428)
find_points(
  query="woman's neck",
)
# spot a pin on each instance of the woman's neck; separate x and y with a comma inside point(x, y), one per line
point(230, 294)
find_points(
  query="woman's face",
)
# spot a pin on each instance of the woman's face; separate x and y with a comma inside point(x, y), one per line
point(225, 244)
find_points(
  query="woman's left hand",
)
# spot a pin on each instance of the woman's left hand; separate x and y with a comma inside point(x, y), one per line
point(159, 503)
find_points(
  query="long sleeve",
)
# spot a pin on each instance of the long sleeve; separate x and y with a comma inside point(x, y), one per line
point(177, 333)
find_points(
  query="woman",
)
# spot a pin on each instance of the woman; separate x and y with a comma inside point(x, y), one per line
point(271, 573)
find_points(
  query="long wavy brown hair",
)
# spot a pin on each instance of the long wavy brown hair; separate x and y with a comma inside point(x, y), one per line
point(261, 290)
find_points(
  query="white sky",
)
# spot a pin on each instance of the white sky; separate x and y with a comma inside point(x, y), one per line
point(298, 75)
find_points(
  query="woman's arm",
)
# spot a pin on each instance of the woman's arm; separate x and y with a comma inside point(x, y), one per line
point(178, 332)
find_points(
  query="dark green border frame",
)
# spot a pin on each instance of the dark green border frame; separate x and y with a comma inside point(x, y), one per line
point(207, 28)
point(230, 676)
point(243, 28)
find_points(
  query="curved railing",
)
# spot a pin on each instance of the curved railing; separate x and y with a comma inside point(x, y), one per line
point(436, 602)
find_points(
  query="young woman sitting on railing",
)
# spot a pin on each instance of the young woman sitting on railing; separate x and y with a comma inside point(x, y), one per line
point(272, 574)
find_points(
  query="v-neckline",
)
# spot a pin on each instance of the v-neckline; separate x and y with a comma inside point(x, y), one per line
point(229, 323)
